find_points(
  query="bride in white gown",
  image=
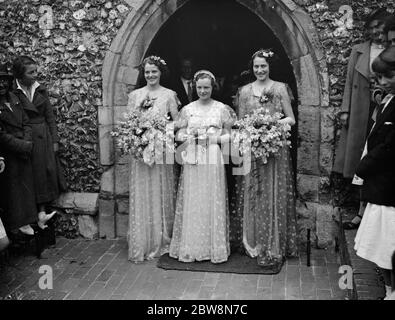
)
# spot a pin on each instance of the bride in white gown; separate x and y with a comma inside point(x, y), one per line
point(201, 223)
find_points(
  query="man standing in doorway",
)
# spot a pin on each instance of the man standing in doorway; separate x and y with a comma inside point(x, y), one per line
point(183, 82)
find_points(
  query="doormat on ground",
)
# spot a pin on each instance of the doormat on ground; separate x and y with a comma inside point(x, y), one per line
point(237, 263)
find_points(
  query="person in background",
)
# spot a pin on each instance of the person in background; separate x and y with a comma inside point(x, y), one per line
point(357, 105)
point(389, 30)
point(4, 241)
point(375, 239)
point(183, 83)
point(17, 198)
point(35, 100)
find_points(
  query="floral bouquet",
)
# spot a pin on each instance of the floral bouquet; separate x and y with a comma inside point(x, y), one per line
point(195, 150)
point(144, 135)
point(261, 133)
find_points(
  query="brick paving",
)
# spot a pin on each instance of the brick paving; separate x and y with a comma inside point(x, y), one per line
point(368, 284)
point(99, 270)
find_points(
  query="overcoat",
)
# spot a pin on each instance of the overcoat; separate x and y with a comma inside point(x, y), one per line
point(17, 197)
point(44, 134)
point(377, 167)
point(356, 102)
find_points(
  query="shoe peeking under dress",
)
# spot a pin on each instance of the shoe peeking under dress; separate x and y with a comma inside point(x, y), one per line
point(43, 218)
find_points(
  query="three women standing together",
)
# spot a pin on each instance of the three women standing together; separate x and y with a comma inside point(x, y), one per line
point(191, 221)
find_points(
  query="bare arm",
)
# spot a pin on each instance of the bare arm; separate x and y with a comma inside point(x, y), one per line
point(287, 107)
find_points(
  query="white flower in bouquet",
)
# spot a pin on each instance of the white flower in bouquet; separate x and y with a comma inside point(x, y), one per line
point(143, 134)
point(261, 133)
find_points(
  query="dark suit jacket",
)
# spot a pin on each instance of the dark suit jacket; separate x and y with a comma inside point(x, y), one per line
point(178, 87)
point(377, 168)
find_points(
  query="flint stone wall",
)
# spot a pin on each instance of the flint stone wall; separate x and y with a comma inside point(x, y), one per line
point(70, 40)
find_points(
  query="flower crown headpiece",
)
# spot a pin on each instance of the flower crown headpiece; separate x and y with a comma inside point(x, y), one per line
point(203, 72)
point(266, 53)
point(157, 59)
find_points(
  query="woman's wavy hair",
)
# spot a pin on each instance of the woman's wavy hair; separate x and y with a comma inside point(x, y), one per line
point(203, 74)
point(157, 61)
point(19, 66)
point(268, 54)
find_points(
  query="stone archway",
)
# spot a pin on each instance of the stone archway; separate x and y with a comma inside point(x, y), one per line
point(295, 30)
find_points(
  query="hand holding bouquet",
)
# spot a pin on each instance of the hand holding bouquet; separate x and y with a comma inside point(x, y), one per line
point(144, 135)
point(261, 133)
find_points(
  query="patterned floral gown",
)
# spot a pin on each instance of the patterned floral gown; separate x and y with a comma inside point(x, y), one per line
point(152, 191)
point(264, 216)
point(201, 226)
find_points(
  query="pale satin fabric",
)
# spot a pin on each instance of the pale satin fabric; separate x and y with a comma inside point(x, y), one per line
point(375, 239)
point(201, 223)
point(151, 192)
point(3, 234)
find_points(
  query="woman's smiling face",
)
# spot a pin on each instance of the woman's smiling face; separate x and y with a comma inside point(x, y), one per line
point(204, 88)
point(261, 68)
point(152, 74)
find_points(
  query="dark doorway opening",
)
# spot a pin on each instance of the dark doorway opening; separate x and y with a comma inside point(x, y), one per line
point(221, 36)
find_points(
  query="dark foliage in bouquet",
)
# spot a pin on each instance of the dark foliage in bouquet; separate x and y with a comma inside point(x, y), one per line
point(261, 133)
point(144, 134)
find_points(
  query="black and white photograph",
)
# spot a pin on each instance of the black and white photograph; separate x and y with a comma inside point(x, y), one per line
point(200, 155)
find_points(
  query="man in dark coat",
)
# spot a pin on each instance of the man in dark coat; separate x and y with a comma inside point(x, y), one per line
point(16, 182)
point(182, 84)
point(35, 101)
point(357, 105)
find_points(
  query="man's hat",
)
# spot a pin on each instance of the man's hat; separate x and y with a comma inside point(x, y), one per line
point(4, 71)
